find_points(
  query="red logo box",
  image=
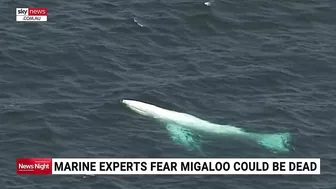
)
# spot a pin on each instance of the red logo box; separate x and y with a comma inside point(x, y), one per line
point(37, 11)
point(34, 166)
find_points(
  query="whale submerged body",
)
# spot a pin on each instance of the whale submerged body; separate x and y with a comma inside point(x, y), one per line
point(181, 127)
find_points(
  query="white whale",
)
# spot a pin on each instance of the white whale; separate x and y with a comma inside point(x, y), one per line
point(181, 127)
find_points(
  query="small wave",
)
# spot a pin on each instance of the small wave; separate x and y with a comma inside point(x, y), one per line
point(209, 3)
point(89, 175)
point(138, 22)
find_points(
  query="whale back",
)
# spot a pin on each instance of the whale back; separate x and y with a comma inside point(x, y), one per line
point(178, 118)
point(191, 122)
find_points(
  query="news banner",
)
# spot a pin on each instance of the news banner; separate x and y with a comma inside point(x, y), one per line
point(168, 166)
point(31, 14)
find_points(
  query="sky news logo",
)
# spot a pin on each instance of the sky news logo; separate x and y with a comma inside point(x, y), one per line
point(31, 14)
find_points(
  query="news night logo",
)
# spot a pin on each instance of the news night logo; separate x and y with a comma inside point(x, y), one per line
point(31, 14)
point(38, 166)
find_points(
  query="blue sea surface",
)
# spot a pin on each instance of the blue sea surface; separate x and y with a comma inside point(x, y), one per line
point(265, 66)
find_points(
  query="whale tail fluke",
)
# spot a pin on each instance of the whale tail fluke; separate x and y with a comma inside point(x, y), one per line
point(277, 142)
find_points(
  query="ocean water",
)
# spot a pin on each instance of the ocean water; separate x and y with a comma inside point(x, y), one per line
point(265, 66)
